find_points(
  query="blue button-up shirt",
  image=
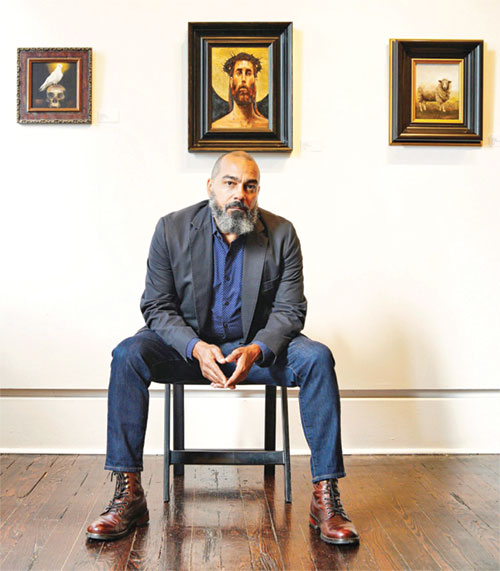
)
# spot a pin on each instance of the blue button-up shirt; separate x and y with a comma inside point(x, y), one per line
point(225, 323)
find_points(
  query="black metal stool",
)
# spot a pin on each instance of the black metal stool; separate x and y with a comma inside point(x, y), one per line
point(269, 456)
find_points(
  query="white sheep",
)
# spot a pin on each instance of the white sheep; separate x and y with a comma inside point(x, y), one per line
point(440, 94)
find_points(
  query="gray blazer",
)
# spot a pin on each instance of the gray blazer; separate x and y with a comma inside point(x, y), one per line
point(177, 299)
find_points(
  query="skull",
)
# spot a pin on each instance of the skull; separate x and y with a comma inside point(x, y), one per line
point(55, 95)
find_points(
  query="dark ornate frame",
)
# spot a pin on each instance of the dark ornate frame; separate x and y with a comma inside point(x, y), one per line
point(83, 58)
point(276, 35)
point(401, 128)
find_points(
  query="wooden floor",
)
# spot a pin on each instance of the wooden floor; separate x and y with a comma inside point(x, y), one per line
point(412, 512)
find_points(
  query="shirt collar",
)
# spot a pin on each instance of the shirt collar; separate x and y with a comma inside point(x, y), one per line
point(215, 230)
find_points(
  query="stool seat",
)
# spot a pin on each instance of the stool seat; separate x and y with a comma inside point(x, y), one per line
point(269, 457)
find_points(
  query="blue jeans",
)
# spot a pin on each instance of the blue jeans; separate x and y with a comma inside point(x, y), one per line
point(143, 358)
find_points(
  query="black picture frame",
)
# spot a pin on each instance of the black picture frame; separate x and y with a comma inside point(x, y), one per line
point(211, 47)
point(417, 119)
point(66, 98)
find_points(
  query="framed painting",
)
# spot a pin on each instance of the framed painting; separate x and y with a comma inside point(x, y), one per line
point(54, 85)
point(436, 92)
point(240, 86)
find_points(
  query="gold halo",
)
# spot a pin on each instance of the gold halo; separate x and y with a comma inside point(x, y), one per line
point(220, 79)
point(52, 66)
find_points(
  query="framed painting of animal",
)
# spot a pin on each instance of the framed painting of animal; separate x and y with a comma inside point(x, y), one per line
point(240, 86)
point(436, 92)
point(54, 85)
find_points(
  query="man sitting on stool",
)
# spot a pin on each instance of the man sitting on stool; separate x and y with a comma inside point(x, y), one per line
point(224, 300)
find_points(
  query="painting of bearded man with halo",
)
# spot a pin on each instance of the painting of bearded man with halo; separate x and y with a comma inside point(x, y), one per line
point(240, 89)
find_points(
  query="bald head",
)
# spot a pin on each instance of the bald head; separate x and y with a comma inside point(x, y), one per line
point(233, 190)
point(233, 154)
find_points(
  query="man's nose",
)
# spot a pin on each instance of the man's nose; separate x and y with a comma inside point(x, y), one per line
point(238, 192)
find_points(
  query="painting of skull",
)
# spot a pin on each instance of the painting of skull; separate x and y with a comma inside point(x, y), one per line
point(56, 96)
point(54, 85)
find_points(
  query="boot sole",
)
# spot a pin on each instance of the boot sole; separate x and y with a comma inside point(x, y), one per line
point(140, 522)
point(340, 541)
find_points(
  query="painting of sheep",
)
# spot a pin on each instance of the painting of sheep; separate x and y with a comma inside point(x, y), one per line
point(436, 91)
point(440, 93)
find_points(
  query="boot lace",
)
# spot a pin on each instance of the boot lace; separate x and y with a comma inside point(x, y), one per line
point(332, 501)
point(118, 502)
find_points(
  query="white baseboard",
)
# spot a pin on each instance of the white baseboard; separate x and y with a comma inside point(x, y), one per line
point(454, 424)
point(293, 451)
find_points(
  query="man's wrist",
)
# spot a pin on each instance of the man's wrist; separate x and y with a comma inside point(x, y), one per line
point(256, 349)
point(190, 348)
point(266, 355)
point(196, 348)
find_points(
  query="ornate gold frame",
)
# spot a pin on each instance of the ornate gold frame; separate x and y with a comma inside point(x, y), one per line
point(82, 113)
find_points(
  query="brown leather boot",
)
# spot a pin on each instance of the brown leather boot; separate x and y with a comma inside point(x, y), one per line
point(125, 511)
point(328, 515)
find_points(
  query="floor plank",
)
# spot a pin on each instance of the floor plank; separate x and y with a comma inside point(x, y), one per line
point(34, 516)
point(448, 546)
point(18, 484)
point(446, 507)
point(412, 512)
point(289, 525)
point(490, 461)
point(262, 539)
point(75, 506)
point(6, 463)
point(235, 545)
point(464, 488)
point(98, 490)
point(178, 530)
point(149, 540)
point(323, 555)
point(204, 517)
point(363, 512)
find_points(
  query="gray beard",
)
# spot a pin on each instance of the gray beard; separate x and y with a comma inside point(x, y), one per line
point(236, 223)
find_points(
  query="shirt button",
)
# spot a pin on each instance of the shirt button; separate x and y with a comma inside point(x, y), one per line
point(226, 303)
point(225, 324)
point(227, 278)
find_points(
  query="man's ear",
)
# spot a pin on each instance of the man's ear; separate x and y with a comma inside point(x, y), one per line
point(209, 187)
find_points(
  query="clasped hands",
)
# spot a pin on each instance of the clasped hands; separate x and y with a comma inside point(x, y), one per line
point(210, 357)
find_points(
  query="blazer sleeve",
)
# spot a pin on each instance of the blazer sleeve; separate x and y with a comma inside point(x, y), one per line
point(160, 304)
point(288, 311)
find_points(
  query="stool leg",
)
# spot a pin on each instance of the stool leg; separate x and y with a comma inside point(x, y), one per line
point(270, 426)
point(286, 446)
point(166, 446)
point(178, 425)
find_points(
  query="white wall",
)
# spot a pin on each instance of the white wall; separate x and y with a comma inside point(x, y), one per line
point(400, 243)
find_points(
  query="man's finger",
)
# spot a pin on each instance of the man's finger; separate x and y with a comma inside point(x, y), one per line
point(217, 353)
point(230, 385)
point(212, 371)
point(237, 376)
point(233, 355)
point(216, 374)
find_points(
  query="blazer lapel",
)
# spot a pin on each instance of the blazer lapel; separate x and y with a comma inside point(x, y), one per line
point(200, 238)
point(253, 263)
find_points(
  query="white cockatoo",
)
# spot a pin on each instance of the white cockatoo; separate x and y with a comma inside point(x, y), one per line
point(54, 78)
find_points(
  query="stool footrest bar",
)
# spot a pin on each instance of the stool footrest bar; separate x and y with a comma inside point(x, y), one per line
point(234, 457)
